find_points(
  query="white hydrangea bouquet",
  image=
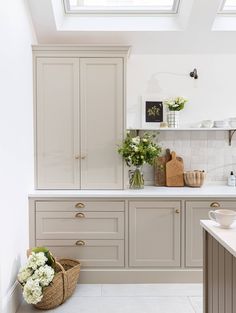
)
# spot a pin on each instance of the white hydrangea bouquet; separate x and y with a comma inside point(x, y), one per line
point(176, 104)
point(37, 274)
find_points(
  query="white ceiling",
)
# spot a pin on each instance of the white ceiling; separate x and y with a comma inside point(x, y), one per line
point(197, 29)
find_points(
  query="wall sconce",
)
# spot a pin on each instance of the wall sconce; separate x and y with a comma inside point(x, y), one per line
point(194, 74)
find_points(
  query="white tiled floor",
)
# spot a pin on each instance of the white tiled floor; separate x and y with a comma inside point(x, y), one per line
point(138, 298)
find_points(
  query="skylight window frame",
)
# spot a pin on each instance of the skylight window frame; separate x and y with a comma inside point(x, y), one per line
point(225, 11)
point(125, 11)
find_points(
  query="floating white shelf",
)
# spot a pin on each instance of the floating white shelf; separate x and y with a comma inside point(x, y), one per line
point(231, 131)
point(182, 129)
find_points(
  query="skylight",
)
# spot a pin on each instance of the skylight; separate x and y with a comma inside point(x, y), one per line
point(228, 6)
point(121, 6)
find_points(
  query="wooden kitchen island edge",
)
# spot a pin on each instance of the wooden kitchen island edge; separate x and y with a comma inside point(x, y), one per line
point(219, 268)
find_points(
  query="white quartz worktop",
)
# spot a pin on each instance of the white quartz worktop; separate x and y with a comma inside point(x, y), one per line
point(226, 237)
point(147, 192)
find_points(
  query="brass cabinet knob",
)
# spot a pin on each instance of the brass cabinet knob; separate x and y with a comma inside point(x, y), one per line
point(80, 243)
point(80, 205)
point(80, 215)
point(215, 205)
point(177, 211)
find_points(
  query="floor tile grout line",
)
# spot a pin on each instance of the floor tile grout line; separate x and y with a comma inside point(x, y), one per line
point(189, 299)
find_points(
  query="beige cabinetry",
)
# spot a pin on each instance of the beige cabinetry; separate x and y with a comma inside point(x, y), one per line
point(56, 115)
point(196, 211)
point(85, 230)
point(79, 118)
point(154, 233)
point(123, 239)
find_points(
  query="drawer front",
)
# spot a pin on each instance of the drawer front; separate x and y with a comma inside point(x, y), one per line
point(91, 253)
point(196, 211)
point(87, 225)
point(80, 205)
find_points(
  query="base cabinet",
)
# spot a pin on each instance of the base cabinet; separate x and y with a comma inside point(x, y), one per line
point(196, 211)
point(123, 240)
point(154, 234)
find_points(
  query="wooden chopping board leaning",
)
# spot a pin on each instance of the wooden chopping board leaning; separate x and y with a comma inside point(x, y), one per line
point(160, 168)
point(175, 172)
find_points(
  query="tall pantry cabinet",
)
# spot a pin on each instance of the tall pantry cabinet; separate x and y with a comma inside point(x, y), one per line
point(79, 116)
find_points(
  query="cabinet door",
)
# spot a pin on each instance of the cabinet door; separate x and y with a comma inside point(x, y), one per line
point(102, 101)
point(56, 123)
point(196, 211)
point(154, 234)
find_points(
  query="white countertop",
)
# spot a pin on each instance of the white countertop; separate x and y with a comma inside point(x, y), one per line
point(226, 237)
point(148, 192)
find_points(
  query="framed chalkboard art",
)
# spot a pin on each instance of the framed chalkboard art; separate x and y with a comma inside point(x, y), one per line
point(152, 113)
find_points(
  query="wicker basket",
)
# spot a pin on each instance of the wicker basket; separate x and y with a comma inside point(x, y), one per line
point(194, 178)
point(62, 286)
point(72, 271)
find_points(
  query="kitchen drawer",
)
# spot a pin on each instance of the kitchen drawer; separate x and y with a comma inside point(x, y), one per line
point(91, 253)
point(212, 204)
point(80, 205)
point(87, 225)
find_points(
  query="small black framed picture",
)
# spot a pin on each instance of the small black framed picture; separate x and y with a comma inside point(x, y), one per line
point(152, 113)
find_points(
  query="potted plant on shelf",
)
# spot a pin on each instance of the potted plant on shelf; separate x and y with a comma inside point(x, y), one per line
point(174, 105)
point(136, 152)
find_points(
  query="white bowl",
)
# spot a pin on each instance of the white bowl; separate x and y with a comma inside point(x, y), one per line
point(221, 124)
point(207, 124)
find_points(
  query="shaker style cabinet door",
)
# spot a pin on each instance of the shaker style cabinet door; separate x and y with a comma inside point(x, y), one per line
point(102, 118)
point(196, 211)
point(154, 234)
point(57, 123)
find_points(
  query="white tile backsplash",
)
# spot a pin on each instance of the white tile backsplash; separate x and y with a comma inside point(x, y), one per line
point(200, 150)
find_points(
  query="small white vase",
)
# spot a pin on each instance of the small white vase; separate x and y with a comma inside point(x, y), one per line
point(173, 119)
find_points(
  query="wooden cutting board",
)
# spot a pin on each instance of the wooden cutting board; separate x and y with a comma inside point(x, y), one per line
point(160, 169)
point(175, 172)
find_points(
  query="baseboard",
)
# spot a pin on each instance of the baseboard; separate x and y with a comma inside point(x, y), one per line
point(13, 299)
point(137, 276)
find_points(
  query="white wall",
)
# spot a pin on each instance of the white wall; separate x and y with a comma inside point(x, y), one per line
point(16, 141)
point(212, 96)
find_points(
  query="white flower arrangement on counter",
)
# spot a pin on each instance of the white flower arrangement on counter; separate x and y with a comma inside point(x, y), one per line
point(176, 104)
point(37, 274)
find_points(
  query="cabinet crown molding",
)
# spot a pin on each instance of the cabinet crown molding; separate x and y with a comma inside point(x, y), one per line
point(123, 50)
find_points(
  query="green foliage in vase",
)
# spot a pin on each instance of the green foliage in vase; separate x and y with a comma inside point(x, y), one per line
point(139, 150)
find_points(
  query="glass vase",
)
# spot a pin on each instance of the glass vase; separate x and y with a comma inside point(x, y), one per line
point(136, 180)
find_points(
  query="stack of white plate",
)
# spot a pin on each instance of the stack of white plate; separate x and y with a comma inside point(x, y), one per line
point(221, 124)
point(232, 122)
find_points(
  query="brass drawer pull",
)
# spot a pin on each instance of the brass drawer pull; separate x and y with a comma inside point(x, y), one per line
point(80, 243)
point(80, 215)
point(177, 211)
point(80, 205)
point(215, 205)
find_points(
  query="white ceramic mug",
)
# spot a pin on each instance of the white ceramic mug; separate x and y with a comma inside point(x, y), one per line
point(224, 217)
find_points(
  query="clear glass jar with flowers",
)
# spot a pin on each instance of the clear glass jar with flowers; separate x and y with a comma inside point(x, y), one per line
point(136, 152)
point(174, 105)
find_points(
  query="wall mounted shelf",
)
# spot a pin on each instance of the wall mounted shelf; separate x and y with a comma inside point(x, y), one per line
point(231, 131)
